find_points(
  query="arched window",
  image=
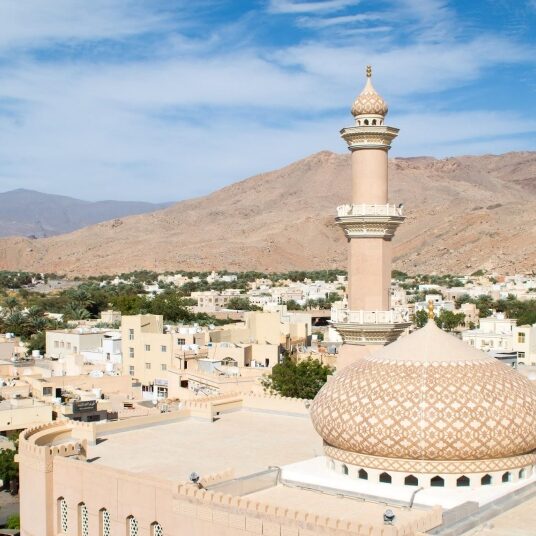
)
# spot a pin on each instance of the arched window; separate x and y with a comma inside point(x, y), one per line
point(374, 121)
point(385, 478)
point(485, 480)
point(362, 474)
point(105, 523)
point(331, 465)
point(344, 469)
point(365, 121)
point(83, 520)
point(522, 473)
point(411, 480)
point(156, 529)
point(132, 526)
point(506, 477)
point(463, 481)
point(62, 514)
point(437, 482)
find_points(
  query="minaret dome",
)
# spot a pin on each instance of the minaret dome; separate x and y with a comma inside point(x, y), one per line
point(369, 109)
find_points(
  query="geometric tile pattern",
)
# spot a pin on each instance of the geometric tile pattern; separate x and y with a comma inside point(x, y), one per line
point(63, 515)
point(106, 523)
point(84, 520)
point(419, 410)
point(430, 466)
point(369, 102)
point(133, 527)
point(157, 530)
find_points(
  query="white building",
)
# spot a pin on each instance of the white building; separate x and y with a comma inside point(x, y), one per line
point(494, 334)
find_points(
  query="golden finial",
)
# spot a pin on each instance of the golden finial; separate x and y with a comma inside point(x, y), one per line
point(369, 71)
point(431, 309)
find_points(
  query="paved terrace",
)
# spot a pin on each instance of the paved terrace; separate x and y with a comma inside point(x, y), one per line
point(246, 441)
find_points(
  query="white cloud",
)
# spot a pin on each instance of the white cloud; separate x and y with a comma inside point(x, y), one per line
point(321, 6)
point(327, 22)
point(35, 22)
point(193, 114)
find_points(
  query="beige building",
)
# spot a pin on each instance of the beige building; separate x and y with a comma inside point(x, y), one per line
point(147, 350)
point(19, 413)
point(524, 343)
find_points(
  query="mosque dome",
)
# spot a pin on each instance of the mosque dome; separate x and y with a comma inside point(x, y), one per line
point(368, 101)
point(428, 396)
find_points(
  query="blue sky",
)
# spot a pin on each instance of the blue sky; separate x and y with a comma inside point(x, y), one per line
point(166, 100)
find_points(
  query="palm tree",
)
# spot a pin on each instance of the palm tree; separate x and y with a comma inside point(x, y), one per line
point(72, 312)
point(11, 304)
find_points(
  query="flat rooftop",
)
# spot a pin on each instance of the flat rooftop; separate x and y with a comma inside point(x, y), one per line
point(335, 506)
point(519, 521)
point(246, 441)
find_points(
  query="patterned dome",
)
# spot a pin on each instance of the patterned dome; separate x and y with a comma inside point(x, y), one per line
point(428, 396)
point(369, 102)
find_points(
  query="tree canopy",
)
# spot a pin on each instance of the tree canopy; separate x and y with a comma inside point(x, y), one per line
point(297, 380)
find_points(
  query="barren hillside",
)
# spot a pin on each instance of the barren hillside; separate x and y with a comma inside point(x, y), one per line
point(463, 213)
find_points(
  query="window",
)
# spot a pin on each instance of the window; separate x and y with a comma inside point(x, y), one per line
point(130, 334)
point(485, 480)
point(411, 480)
point(362, 474)
point(163, 366)
point(506, 477)
point(463, 481)
point(147, 347)
point(521, 355)
point(148, 366)
point(47, 391)
point(522, 473)
point(68, 346)
point(75, 349)
point(131, 352)
point(83, 520)
point(181, 342)
point(521, 337)
point(56, 344)
point(62, 344)
point(105, 523)
point(163, 348)
point(62, 514)
point(344, 469)
point(385, 478)
point(132, 526)
point(437, 482)
point(131, 370)
point(157, 530)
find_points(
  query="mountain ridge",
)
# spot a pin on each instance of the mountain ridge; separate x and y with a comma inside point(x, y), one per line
point(462, 214)
point(53, 214)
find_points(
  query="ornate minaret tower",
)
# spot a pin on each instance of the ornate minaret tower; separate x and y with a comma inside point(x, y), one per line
point(369, 224)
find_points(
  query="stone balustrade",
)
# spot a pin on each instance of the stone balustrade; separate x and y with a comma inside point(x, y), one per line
point(369, 210)
point(347, 316)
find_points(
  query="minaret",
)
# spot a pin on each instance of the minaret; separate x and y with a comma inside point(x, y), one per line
point(369, 224)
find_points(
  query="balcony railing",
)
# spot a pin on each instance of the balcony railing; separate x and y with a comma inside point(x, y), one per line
point(346, 316)
point(369, 210)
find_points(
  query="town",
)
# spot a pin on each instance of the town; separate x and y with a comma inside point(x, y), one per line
point(111, 348)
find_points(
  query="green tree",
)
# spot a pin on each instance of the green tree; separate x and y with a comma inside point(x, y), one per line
point(448, 320)
point(242, 304)
point(13, 521)
point(37, 342)
point(297, 380)
point(421, 317)
point(9, 469)
point(293, 305)
point(73, 312)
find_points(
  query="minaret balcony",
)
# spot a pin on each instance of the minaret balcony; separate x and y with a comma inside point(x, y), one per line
point(369, 137)
point(376, 221)
point(369, 327)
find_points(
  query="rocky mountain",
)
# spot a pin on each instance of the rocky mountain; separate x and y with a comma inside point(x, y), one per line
point(463, 213)
point(30, 213)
